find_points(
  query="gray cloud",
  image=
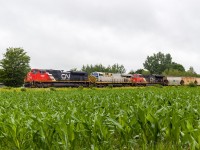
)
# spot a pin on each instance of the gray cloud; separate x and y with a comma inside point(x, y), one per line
point(67, 34)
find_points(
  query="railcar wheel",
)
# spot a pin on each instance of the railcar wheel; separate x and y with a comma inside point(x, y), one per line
point(166, 82)
point(182, 82)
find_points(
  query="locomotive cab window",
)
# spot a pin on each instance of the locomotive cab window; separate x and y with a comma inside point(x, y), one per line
point(42, 71)
point(95, 74)
point(34, 71)
point(100, 74)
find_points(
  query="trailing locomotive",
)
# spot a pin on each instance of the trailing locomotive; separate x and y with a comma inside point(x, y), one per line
point(60, 78)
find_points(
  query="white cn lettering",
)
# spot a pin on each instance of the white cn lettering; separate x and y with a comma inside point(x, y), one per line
point(65, 76)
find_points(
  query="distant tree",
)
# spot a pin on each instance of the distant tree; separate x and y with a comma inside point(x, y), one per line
point(158, 63)
point(15, 65)
point(177, 73)
point(116, 68)
point(132, 72)
point(74, 69)
point(191, 70)
point(176, 66)
point(90, 68)
point(145, 72)
point(173, 72)
point(139, 71)
point(1, 74)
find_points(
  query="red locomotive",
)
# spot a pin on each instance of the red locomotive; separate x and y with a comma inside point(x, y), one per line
point(55, 78)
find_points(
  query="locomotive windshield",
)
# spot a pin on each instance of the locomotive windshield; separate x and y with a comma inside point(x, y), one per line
point(34, 71)
point(95, 74)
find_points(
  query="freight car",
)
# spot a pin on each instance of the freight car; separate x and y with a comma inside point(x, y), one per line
point(181, 80)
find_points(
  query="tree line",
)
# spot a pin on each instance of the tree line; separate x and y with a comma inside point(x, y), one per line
point(160, 63)
point(116, 68)
point(15, 65)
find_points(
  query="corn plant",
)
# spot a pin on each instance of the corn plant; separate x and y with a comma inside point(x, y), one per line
point(117, 118)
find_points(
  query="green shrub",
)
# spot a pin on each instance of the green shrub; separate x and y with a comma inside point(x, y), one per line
point(191, 84)
point(52, 89)
point(23, 89)
point(91, 86)
point(7, 87)
point(158, 85)
point(80, 87)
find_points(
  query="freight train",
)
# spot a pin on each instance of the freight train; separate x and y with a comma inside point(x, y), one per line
point(60, 78)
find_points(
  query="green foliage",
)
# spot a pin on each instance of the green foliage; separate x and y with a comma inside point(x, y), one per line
point(146, 72)
point(158, 85)
point(7, 87)
point(52, 89)
point(116, 68)
point(176, 66)
point(135, 118)
point(92, 86)
point(15, 65)
point(191, 73)
point(74, 69)
point(140, 71)
point(173, 72)
point(160, 62)
point(80, 87)
point(157, 63)
point(191, 84)
point(132, 72)
point(23, 89)
point(177, 73)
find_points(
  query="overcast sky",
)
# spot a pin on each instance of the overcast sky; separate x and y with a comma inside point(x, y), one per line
point(65, 34)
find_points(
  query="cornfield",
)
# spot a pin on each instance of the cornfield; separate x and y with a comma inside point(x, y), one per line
point(100, 119)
